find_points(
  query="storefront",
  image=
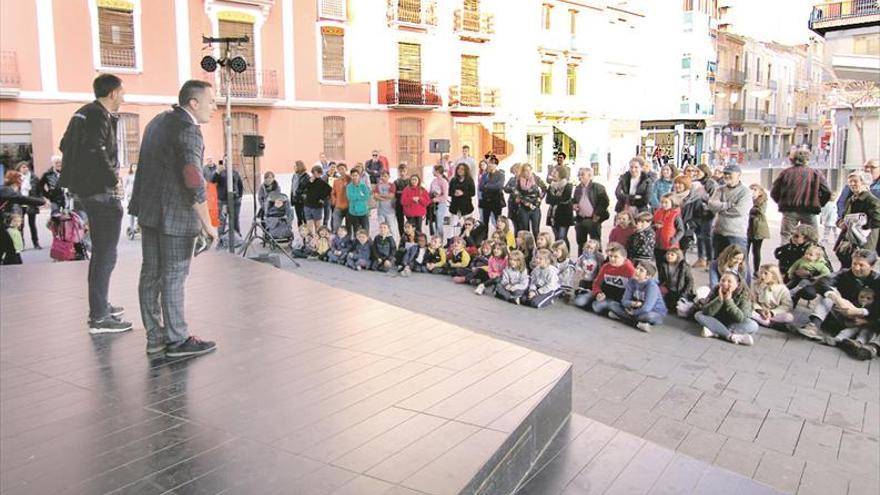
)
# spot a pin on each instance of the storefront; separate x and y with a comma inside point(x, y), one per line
point(673, 137)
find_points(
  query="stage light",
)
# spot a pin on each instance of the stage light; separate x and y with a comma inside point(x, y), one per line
point(238, 64)
point(209, 63)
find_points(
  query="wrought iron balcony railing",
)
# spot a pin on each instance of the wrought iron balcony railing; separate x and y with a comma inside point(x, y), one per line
point(474, 25)
point(249, 84)
point(398, 92)
point(412, 13)
point(471, 97)
point(840, 15)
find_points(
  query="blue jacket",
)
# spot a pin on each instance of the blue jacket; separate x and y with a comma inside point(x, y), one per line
point(648, 292)
point(341, 244)
point(661, 187)
point(358, 199)
point(362, 251)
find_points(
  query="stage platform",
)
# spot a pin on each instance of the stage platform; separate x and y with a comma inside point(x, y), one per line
point(313, 390)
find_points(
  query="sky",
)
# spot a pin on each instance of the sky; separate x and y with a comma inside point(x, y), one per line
point(784, 21)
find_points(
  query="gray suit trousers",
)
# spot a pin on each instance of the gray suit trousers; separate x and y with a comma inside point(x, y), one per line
point(161, 289)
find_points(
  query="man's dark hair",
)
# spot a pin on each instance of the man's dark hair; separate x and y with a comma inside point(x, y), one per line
point(190, 90)
point(105, 84)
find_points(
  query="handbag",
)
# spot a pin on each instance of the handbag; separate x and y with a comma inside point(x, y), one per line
point(62, 250)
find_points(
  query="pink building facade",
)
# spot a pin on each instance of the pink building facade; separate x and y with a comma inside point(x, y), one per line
point(311, 87)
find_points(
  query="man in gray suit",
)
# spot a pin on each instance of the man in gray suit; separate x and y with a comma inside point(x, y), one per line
point(169, 201)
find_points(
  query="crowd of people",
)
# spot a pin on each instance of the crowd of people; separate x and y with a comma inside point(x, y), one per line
point(457, 226)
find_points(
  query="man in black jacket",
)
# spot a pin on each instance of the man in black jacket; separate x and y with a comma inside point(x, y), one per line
point(492, 190)
point(49, 184)
point(222, 197)
point(590, 203)
point(90, 172)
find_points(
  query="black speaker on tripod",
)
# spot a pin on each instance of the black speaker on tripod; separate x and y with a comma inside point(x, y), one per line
point(252, 145)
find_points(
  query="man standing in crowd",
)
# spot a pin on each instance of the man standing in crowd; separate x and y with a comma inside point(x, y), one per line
point(223, 199)
point(209, 169)
point(323, 162)
point(590, 203)
point(467, 160)
point(492, 189)
point(731, 203)
point(374, 168)
point(49, 184)
point(801, 192)
point(170, 203)
point(90, 172)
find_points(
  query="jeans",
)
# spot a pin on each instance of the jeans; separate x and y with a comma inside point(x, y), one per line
point(530, 220)
point(327, 213)
point(391, 219)
point(236, 216)
point(31, 212)
point(357, 222)
point(791, 219)
point(105, 223)
point(719, 242)
point(441, 212)
point(704, 240)
point(650, 317)
point(487, 214)
point(602, 307)
point(398, 212)
point(164, 270)
point(586, 228)
point(298, 208)
point(725, 331)
point(339, 215)
point(755, 248)
point(561, 234)
point(584, 300)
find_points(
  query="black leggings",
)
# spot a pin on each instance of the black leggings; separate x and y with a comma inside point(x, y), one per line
point(755, 249)
point(31, 212)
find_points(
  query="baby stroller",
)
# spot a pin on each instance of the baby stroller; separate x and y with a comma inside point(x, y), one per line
point(278, 218)
point(68, 236)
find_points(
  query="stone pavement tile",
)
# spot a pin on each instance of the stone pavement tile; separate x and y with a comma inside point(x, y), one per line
point(677, 402)
point(780, 471)
point(364, 485)
point(780, 432)
point(739, 457)
point(591, 380)
point(845, 412)
point(854, 366)
point(702, 444)
point(620, 386)
point(660, 366)
point(680, 476)
point(834, 381)
point(773, 366)
point(859, 453)
point(775, 394)
point(668, 432)
point(744, 359)
point(744, 386)
point(819, 479)
point(709, 411)
point(809, 404)
point(648, 393)
point(717, 481)
point(353, 437)
point(635, 421)
point(743, 421)
point(382, 447)
point(872, 419)
point(798, 348)
point(606, 411)
point(825, 357)
point(643, 471)
point(818, 442)
point(601, 472)
point(450, 472)
point(714, 379)
point(717, 352)
point(864, 485)
point(801, 375)
point(687, 372)
point(864, 387)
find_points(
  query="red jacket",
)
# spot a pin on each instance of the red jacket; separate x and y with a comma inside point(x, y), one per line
point(412, 208)
point(611, 280)
point(667, 235)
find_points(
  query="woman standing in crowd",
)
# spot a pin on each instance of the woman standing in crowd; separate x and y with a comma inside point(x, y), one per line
point(481, 176)
point(634, 188)
point(529, 192)
point(560, 214)
point(758, 228)
point(702, 174)
point(11, 200)
point(440, 199)
point(400, 184)
point(298, 190)
point(30, 186)
point(860, 224)
point(662, 185)
point(509, 188)
point(358, 194)
point(461, 192)
point(415, 201)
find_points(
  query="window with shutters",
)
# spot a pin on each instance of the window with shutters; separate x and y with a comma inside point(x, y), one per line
point(499, 138)
point(470, 80)
point(409, 61)
point(409, 141)
point(572, 21)
point(128, 139)
point(546, 78)
point(244, 85)
point(244, 123)
point(572, 80)
point(409, 11)
point(546, 14)
point(332, 9)
point(116, 34)
point(332, 54)
point(334, 137)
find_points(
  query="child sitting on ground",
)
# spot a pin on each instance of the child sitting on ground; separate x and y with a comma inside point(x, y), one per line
point(771, 299)
point(543, 241)
point(514, 280)
point(730, 259)
point(586, 269)
point(458, 260)
point(642, 304)
point(489, 275)
point(478, 264)
point(339, 247)
point(676, 280)
point(807, 270)
point(566, 268)
point(383, 249)
point(322, 250)
point(435, 258)
point(543, 282)
point(525, 243)
point(502, 225)
point(307, 244)
point(801, 238)
point(861, 338)
point(407, 240)
point(361, 252)
point(642, 241)
point(727, 311)
point(472, 237)
point(610, 282)
point(623, 228)
point(415, 258)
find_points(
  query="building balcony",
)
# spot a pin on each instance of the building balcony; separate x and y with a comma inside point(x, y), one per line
point(755, 115)
point(472, 25)
point(836, 16)
point(473, 100)
point(770, 118)
point(789, 122)
point(803, 118)
point(10, 78)
point(736, 115)
point(249, 87)
point(731, 76)
point(408, 94)
point(412, 14)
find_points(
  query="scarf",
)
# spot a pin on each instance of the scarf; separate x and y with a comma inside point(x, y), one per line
point(527, 184)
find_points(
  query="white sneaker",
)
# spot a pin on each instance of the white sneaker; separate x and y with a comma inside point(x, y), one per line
point(480, 289)
point(741, 339)
point(406, 272)
point(705, 332)
point(644, 326)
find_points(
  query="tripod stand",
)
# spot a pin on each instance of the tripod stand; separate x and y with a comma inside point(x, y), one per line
point(258, 230)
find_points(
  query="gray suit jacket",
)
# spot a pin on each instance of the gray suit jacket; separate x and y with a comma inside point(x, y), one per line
point(169, 179)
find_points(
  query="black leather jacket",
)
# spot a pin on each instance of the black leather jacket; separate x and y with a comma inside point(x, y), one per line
point(90, 156)
point(49, 186)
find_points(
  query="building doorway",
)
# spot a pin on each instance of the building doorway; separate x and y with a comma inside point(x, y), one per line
point(244, 123)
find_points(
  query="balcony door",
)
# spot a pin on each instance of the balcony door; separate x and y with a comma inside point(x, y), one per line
point(244, 85)
point(409, 68)
point(470, 80)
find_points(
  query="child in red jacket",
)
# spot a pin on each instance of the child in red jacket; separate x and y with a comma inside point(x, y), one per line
point(668, 226)
point(610, 282)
